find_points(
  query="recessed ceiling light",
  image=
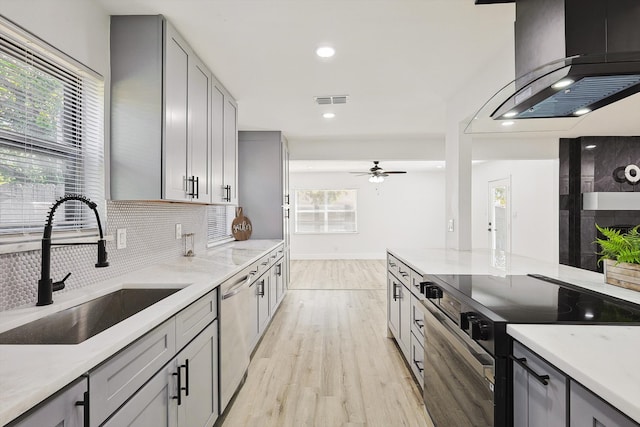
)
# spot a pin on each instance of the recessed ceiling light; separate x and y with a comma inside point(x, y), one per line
point(590, 146)
point(582, 111)
point(510, 114)
point(325, 51)
point(561, 84)
point(329, 115)
point(508, 123)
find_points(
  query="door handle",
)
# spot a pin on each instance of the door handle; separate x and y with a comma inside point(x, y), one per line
point(85, 408)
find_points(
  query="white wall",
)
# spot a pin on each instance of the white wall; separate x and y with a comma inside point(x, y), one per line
point(534, 205)
point(79, 28)
point(405, 211)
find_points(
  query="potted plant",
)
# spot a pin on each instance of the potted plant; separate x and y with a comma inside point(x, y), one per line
point(621, 255)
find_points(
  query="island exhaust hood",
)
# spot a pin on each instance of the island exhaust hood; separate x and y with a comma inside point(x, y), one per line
point(572, 56)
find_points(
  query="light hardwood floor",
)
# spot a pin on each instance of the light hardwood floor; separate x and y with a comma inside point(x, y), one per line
point(326, 360)
point(338, 274)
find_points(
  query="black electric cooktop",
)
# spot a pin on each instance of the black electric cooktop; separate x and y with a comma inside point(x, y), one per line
point(527, 299)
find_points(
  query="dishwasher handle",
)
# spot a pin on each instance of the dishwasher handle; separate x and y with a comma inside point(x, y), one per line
point(238, 286)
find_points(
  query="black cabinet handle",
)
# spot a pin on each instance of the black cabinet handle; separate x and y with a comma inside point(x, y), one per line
point(261, 288)
point(419, 323)
point(395, 295)
point(85, 408)
point(279, 269)
point(418, 363)
point(179, 388)
point(227, 189)
point(186, 379)
point(197, 183)
point(392, 264)
point(544, 379)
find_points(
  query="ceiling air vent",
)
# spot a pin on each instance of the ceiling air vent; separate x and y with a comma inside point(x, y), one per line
point(329, 100)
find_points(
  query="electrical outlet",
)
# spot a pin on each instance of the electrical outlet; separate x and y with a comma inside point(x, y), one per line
point(121, 238)
point(450, 225)
point(178, 231)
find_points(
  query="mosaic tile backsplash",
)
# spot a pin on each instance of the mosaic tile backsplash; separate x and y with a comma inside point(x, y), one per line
point(150, 239)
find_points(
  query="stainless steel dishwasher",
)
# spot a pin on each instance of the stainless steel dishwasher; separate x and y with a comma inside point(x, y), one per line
point(238, 318)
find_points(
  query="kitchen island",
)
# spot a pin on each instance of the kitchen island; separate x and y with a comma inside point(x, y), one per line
point(30, 374)
point(597, 357)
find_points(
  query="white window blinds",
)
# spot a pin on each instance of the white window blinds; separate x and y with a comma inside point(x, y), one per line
point(51, 135)
point(219, 219)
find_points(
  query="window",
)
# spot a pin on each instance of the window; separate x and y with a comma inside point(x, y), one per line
point(51, 135)
point(326, 211)
point(219, 219)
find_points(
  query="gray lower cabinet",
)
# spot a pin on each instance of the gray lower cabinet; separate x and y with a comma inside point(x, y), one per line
point(539, 391)
point(151, 406)
point(116, 380)
point(60, 410)
point(193, 375)
point(198, 362)
point(587, 409)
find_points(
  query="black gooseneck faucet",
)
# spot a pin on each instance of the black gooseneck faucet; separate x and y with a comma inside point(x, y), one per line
point(46, 286)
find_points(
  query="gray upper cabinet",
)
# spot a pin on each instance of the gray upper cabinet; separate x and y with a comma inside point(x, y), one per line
point(224, 128)
point(161, 114)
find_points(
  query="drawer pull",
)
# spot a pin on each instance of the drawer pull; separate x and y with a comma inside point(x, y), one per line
point(418, 363)
point(543, 379)
point(419, 323)
point(396, 295)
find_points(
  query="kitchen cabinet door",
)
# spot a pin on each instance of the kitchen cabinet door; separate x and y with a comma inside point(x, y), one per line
point(536, 404)
point(231, 150)
point(405, 322)
point(393, 305)
point(176, 91)
point(199, 182)
point(199, 364)
point(273, 288)
point(59, 410)
point(224, 146)
point(587, 409)
point(153, 405)
point(262, 294)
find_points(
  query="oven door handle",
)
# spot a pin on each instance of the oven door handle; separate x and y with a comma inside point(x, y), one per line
point(482, 363)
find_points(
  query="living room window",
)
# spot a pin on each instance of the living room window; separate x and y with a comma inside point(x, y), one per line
point(51, 136)
point(326, 211)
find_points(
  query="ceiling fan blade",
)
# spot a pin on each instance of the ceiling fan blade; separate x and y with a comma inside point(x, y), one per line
point(395, 172)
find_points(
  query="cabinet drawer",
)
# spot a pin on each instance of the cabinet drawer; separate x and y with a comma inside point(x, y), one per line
point(392, 264)
point(112, 383)
point(587, 409)
point(193, 319)
point(416, 359)
point(416, 278)
point(417, 318)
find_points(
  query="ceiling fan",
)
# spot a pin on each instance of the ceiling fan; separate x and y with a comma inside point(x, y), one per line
point(376, 173)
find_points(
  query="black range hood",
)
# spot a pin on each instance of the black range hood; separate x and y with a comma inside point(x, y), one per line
point(572, 56)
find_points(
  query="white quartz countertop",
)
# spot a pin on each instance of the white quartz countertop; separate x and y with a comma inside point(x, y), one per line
point(604, 359)
point(31, 373)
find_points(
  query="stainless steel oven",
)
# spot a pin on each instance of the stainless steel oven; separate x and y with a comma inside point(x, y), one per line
point(459, 374)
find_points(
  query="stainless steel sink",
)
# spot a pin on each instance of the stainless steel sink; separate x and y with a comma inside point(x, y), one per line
point(79, 323)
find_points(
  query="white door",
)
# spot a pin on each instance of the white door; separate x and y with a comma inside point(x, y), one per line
point(499, 226)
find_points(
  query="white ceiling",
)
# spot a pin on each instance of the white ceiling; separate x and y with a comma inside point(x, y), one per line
point(400, 62)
